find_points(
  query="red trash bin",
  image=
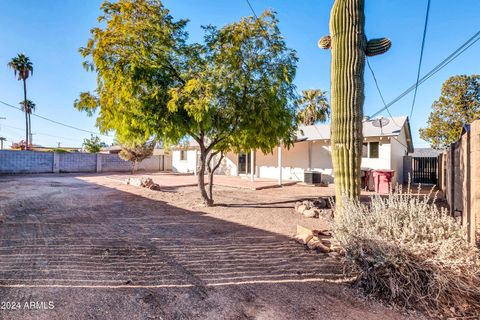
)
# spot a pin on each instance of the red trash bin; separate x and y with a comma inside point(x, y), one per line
point(383, 180)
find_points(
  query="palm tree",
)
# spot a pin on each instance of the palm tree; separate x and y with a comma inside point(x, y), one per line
point(23, 67)
point(313, 107)
point(28, 108)
point(2, 139)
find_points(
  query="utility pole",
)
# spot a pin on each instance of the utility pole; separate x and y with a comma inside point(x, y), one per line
point(31, 138)
point(2, 138)
point(58, 143)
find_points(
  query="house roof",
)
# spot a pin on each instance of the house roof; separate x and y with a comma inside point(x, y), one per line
point(322, 132)
point(392, 129)
point(191, 144)
point(425, 152)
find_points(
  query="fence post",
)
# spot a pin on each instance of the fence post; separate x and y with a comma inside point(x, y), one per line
point(99, 162)
point(56, 162)
point(466, 186)
point(474, 226)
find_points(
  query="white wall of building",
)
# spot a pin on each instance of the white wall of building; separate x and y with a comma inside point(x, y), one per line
point(384, 155)
point(295, 161)
point(399, 150)
point(184, 166)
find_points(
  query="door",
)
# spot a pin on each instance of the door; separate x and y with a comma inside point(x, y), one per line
point(244, 166)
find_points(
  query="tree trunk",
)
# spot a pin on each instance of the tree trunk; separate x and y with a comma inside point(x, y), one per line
point(201, 176)
point(30, 128)
point(134, 166)
point(211, 172)
point(26, 113)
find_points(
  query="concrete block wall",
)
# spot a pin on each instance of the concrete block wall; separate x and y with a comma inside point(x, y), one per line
point(25, 161)
point(113, 163)
point(14, 161)
point(78, 162)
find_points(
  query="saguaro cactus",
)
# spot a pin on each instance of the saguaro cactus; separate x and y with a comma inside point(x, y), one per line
point(349, 46)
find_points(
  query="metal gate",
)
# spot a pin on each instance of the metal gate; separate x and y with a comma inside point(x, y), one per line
point(424, 170)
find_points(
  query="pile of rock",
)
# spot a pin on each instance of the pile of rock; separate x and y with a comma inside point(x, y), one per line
point(319, 240)
point(313, 208)
point(144, 182)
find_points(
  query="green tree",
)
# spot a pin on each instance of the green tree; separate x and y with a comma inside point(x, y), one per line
point(313, 107)
point(231, 92)
point(23, 67)
point(93, 145)
point(137, 152)
point(28, 107)
point(458, 104)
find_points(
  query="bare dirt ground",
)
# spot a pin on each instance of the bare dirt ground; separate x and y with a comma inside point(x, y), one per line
point(89, 247)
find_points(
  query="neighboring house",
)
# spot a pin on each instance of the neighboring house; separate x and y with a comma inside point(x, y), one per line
point(383, 148)
point(425, 153)
point(158, 151)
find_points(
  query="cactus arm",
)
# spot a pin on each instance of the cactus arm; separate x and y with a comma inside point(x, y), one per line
point(377, 46)
point(325, 42)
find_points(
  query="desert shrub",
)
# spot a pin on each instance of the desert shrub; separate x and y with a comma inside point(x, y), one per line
point(408, 251)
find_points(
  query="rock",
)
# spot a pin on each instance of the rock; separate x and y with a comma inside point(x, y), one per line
point(145, 182)
point(320, 203)
point(301, 208)
point(303, 238)
point(297, 204)
point(155, 187)
point(314, 244)
point(310, 213)
point(319, 240)
point(307, 203)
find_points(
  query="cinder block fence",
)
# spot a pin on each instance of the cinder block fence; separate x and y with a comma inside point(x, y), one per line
point(13, 161)
point(459, 179)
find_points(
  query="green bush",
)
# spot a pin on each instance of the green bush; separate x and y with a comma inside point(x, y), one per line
point(59, 150)
point(408, 251)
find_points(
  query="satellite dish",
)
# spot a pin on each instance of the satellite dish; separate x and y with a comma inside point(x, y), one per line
point(380, 123)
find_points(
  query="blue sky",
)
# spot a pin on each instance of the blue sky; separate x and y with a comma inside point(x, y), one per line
point(50, 33)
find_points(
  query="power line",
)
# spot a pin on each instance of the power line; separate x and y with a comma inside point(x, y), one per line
point(380, 92)
point(54, 121)
point(38, 133)
point(455, 54)
point(421, 56)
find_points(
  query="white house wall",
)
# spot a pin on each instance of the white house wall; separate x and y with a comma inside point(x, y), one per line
point(384, 155)
point(184, 166)
point(295, 161)
point(399, 150)
point(229, 164)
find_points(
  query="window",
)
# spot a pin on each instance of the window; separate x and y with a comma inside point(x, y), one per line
point(370, 150)
point(183, 155)
point(373, 150)
point(365, 150)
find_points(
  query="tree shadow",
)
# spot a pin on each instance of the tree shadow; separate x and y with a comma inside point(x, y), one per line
point(81, 234)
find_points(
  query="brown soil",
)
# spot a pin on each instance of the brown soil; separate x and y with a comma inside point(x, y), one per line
point(99, 249)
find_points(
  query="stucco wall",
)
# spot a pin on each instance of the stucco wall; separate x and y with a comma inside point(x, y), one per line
point(398, 151)
point(384, 155)
point(295, 161)
point(184, 166)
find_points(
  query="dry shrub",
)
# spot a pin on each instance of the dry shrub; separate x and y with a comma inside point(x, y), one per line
point(411, 253)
